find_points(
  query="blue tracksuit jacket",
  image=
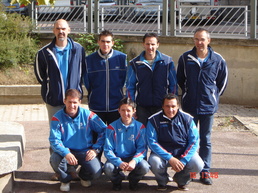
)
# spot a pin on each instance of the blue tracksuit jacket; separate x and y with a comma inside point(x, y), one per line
point(177, 137)
point(148, 85)
point(201, 85)
point(125, 142)
point(104, 79)
point(75, 134)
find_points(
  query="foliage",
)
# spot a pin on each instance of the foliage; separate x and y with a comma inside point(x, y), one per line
point(89, 42)
point(17, 46)
point(40, 2)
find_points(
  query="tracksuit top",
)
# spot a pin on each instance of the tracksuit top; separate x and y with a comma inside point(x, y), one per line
point(48, 73)
point(201, 84)
point(104, 79)
point(125, 142)
point(75, 134)
point(177, 137)
point(148, 85)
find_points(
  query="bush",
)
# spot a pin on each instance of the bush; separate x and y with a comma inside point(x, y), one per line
point(17, 46)
point(90, 43)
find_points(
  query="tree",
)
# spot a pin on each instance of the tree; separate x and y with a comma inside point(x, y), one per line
point(40, 2)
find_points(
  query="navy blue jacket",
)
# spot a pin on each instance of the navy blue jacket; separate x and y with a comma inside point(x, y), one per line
point(104, 79)
point(177, 137)
point(201, 85)
point(49, 76)
point(147, 86)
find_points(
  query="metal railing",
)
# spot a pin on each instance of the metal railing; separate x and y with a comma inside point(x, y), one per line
point(221, 21)
point(231, 21)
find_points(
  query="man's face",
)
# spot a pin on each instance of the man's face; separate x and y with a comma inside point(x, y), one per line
point(61, 30)
point(170, 108)
point(71, 105)
point(201, 41)
point(150, 45)
point(105, 44)
point(126, 112)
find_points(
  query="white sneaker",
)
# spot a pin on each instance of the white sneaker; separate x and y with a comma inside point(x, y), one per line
point(65, 187)
point(86, 183)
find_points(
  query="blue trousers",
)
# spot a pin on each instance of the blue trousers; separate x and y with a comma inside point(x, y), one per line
point(89, 169)
point(205, 128)
point(159, 168)
point(116, 175)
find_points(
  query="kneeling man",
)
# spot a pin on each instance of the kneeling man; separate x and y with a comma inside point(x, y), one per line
point(173, 139)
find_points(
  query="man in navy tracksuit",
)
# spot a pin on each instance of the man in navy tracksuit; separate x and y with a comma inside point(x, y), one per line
point(151, 75)
point(105, 78)
point(173, 139)
point(202, 75)
point(59, 66)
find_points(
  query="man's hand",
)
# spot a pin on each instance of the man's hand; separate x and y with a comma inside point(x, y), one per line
point(128, 166)
point(131, 165)
point(71, 159)
point(90, 155)
point(176, 165)
point(123, 166)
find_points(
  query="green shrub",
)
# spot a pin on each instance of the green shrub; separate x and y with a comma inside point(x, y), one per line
point(90, 43)
point(17, 46)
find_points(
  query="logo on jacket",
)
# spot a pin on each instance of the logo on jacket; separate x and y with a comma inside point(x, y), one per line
point(131, 138)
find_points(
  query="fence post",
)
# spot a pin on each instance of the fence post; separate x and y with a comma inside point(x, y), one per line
point(90, 16)
point(165, 18)
point(173, 18)
point(253, 19)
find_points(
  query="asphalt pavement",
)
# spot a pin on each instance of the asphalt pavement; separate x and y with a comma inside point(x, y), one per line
point(234, 154)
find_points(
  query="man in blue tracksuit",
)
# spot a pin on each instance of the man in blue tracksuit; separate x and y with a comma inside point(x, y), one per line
point(202, 75)
point(151, 75)
point(173, 139)
point(125, 148)
point(72, 141)
point(105, 78)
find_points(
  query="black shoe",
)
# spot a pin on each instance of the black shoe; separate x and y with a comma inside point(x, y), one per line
point(162, 188)
point(133, 186)
point(183, 187)
point(206, 180)
point(117, 187)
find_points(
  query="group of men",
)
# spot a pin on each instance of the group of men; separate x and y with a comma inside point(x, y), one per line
point(124, 126)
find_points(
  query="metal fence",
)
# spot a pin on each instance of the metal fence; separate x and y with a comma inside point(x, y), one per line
point(221, 21)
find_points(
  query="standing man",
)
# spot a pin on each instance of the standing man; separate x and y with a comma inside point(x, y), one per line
point(202, 75)
point(173, 139)
point(59, 66)
point(72, 141)
point(126, 148)
point(151, 75)
point(105, 78)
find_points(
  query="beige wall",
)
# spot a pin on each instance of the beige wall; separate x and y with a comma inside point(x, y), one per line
point(241, 57)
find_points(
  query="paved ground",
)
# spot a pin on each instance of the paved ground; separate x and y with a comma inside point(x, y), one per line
point(235, 154)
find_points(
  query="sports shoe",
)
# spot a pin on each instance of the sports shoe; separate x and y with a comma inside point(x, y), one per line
point(86, 183)
point(65, 187)
point(117, 187)
point(183, 187)
point(170, 179)
point(162, 188)
point(133, 186)
point(55, 177)
point(206, 180)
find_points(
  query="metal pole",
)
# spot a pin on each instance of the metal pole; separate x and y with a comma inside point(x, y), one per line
point(96, 16)
point(90, 16)
point(173, 18)
point(164, 18)
point(253, 26)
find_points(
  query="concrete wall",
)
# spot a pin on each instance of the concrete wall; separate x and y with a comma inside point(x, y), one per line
point(241, 57)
